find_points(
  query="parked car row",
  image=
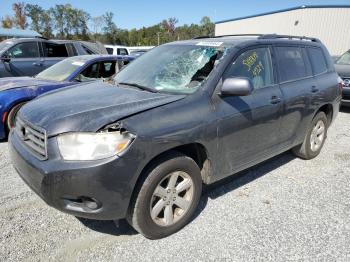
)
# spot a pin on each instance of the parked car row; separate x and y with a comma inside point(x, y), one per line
point(16, 91)
point(30, 56)
point(182, 115)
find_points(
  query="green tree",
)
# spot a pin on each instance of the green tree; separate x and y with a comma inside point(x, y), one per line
point(7, 22)
point(58, 14)
point(208, 26)
point(110, 28)
point(46, 24)
point(97, 24)
point(35, 13)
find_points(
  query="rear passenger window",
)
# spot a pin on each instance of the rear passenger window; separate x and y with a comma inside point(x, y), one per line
point(254, 64)
point(291, 64)
point(122, 51)
point(109, 50)
point(318, 60)
point(55, 50)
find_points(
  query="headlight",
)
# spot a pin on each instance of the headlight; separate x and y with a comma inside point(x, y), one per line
point(92, 146)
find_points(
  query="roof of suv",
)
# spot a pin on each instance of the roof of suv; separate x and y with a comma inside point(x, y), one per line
point(232, 40)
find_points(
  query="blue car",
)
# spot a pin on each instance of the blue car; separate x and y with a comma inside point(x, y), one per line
point(16, 91)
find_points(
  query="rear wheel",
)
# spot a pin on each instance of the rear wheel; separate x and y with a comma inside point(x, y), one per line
point(167, 198)
point(11, 118)
point(314, 139)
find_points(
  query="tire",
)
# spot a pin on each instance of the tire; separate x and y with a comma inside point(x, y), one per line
point(11, 117)
point(168, 218)
point(314, 140)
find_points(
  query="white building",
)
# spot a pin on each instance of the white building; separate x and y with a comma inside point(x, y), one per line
point(331, 24)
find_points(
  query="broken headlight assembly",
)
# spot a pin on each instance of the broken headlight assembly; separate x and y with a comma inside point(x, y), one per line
point(93, 146)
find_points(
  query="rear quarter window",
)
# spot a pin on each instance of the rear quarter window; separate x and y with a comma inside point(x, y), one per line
point(109, 50)
point(318, 61)
point(291, 64)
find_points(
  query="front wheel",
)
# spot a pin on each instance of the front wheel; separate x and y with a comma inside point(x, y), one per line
point(11, 118)
point(314, 139)
point(167, 198)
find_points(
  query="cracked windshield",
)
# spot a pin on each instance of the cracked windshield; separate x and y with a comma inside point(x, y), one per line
point(173, 68)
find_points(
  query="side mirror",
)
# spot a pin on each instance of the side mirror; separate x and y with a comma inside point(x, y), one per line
point(238, 86)
point(6, 59)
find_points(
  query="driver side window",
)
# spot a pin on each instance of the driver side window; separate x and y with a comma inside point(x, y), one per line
point(98, 70)
point(24, 50)
point(254, 64)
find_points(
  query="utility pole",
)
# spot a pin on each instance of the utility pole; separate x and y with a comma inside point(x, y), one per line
point(158, 35)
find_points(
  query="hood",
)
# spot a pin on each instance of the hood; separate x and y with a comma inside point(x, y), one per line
point(89, 107)
point(342, 70)
point(7, 83)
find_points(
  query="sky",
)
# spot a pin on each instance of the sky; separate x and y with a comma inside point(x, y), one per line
point(130, 14)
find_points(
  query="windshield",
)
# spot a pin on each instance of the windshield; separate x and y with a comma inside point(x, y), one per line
point(344, 59)
point(172, 68)
point(4, 45)
point(62, 70)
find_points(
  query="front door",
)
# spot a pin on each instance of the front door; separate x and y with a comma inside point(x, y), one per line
point(24, 60)
point(249, 125)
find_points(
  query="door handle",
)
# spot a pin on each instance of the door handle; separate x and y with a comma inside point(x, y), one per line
point(37, 64)
point(275, 100)
point(314, 89)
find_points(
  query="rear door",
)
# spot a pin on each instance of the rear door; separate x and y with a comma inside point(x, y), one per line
point(24, 60)
point(327, 88)
point(53, 53)
point(249, 126)
point(297, 85)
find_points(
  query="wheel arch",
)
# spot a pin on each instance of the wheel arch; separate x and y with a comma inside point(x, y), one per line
point(9, 107)
point(195, 151)
point(328, 110)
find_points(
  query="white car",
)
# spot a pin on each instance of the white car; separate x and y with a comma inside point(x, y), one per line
point(117, 50)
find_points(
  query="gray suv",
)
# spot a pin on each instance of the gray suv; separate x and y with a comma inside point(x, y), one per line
point(182, 115)
point(30, 56)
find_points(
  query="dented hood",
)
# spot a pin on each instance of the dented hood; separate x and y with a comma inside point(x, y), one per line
point(89, 107)
point(18, 82)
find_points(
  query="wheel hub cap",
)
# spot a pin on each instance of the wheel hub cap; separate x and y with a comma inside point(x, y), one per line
point(317, 135)
point(172, 198)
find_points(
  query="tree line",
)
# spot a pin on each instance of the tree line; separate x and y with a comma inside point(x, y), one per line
point(67, 22)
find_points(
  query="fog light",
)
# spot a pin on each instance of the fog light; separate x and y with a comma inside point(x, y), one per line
point(82, 204)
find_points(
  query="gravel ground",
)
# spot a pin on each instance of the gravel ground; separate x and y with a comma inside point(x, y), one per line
point(283, 209)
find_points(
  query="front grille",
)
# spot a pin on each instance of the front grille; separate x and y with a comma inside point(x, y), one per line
point(34, 138)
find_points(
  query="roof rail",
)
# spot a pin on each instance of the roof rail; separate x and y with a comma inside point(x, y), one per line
point(205, 36)
point(238, 35)
point(266, 36)
point(275, 36)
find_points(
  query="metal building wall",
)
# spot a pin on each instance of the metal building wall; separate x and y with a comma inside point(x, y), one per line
point(330, 25)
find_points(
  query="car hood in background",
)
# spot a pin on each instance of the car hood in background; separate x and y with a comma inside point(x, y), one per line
point(342, 70)
point(89, 107)
point(18, 82)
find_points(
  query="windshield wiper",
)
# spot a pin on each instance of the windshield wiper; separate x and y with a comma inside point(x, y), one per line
point(139, 86)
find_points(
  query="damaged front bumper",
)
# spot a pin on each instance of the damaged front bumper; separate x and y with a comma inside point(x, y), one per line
point(91, 189)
